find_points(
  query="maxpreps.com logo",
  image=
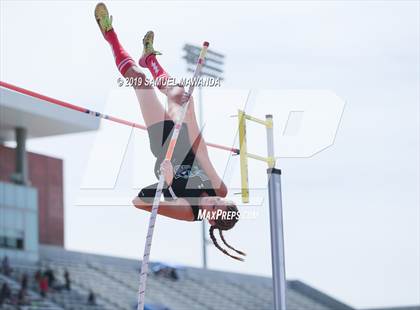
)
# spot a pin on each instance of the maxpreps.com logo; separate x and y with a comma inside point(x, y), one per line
point(226, 215)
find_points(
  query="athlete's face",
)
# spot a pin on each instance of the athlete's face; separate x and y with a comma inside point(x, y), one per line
point(211, 205)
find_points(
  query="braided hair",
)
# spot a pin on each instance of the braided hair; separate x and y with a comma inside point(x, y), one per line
point(226, 224)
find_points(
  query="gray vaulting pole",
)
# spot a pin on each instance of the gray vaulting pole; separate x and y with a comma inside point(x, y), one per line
point(159, 188)
point(276, 227)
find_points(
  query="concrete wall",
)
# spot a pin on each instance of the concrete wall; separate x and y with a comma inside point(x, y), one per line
point(46, 175)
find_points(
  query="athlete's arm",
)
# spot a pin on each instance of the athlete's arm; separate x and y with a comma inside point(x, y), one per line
point(201, 152)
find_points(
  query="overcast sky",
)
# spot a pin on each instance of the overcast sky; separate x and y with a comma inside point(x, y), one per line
point(351, 212)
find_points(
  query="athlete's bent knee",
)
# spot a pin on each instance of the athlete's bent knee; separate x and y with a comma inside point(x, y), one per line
point(137, 202)
point(140, 204)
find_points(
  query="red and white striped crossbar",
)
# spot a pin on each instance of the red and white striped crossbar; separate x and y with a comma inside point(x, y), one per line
point(94, 113)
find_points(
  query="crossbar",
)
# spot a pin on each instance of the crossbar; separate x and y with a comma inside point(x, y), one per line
point(111, 118)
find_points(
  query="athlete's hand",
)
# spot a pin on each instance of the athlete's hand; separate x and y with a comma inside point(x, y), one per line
point(167, 170)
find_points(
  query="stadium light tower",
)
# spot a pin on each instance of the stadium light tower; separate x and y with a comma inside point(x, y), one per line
point(213, 68)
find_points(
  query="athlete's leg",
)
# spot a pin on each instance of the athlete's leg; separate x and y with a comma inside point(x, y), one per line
point(151, 108)
point(178, 209)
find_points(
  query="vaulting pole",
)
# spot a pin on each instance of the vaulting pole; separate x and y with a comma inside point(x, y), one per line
point(156, 200)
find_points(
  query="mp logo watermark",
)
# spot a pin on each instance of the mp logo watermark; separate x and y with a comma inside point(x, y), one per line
point(120, 162)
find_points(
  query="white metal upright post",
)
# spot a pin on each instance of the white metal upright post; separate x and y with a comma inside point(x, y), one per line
point(276, 223)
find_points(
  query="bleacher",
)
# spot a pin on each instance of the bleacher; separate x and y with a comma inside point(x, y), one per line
point(34, 300)
point(115, 284)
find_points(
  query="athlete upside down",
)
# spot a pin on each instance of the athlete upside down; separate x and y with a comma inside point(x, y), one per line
point(191, 182)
